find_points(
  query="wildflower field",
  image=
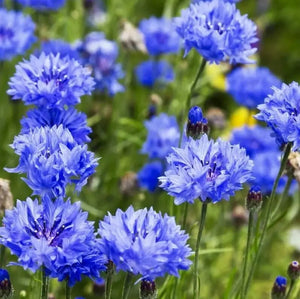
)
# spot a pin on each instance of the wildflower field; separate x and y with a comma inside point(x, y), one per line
point(149, 149)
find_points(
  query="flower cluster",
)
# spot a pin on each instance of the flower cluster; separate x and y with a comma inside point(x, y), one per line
point(250, 86)
point(144, 242)
point(281, 112)
point(207, 170)
point(52, 159)
point(101, 54)
point(16, 34)
point(43, 4)
point(160, 36)
point(152, 72)
point(218, 31)
point(55, 235)
point(50, 81)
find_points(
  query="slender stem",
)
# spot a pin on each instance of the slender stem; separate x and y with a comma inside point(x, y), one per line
point(249, 237)
point(186, 207)
point(45, 285)
point(290, 289)
point(196, 287)
point(267, 216)
point(68, 290)
point(174, 291)
point(108, 283)
point(127, 285)
point(2, 255)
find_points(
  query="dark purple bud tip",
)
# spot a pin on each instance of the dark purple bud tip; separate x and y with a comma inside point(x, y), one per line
point(294, 270)
point(254, 198)
point(148, 289)
point(197, 125)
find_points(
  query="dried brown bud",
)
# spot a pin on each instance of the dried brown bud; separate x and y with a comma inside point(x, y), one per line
point(294, 164)
point(155, 99)
point(6, 198)
point(239, 216)
point(216, 118)
point(128, 184)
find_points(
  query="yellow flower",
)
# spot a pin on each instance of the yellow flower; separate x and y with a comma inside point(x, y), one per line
point(241, 117)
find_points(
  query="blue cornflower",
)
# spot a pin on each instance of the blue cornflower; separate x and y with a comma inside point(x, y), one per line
point(57, 46)
point(217, 31)
point(281, 112)
point(163, 134)
point(70, 118)
point(148, 175)
point(51, 160)
point(144, 242)
point(197, 124)
point(160, 36)
point(43, 4)
point(250, 86)
point(56, 235)
point(151, 72)
point(50, 81)
point(206, 170)
point(16, 34)
point(100, 55)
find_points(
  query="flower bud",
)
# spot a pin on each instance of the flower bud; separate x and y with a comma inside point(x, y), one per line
point(293, 270)
point(148, 290)
point(197, 124)
point(279, 288)
point(254, 198)
point(5, 285)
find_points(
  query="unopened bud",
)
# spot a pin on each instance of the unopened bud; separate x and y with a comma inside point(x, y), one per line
point(279, 288)
point(5, 285)
point(294, 270)
point(6, 199)
point(148, 290)
point(239, 216)
point(254, 198)
point(197, 124)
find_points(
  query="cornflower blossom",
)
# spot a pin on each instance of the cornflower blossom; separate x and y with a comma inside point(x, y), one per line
point(43, 4)
point(50, 81)
point(281, 113)
point(16, 34)
point(51, 160)
point(218, 31)
point(160, 36)
point(55, 235)
point(74, 121)
point(163, 134)
point(144, 242)
point(250, 86)
point(206, 169)
point(148, 175)
point(100, 55)
point(151, 72)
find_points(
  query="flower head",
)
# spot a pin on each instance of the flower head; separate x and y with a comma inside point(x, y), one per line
point(56, 235)
point(50, 81)
point(16, 34)
point(160, 36)
point(163, 134)
point(218, 31)
point(281, 112)
point(151, 72)
point(43, 4)
point(144, 242)
point(279, 288)
point(70, 118)
point(148, 175)
point(51, 160)
point(250, 86)
point(206, 170)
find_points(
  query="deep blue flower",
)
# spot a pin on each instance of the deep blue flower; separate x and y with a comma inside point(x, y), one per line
point(206, 170)
point(148, 175)
point(70, 118)
point(151, 72)
point(217, 31)
point(43, 4)
point(16, 34)
point(50, 81)
point(163, 134)
point(144, 242)
point(57, 46)
point(100, 55)
point(51, 160)
point(56, 235)
point(279, 288)
point(160, 36)
point(250, 86)
point(281, 112)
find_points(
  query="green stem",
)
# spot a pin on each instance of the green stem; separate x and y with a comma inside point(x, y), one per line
point(290, 289)
point(68, 290)
point(108, 283)
point(196, 287)
point(249, 237)
point(45, 285)
point(2, 255)
point(186, 207)
point(267, 216)
point(127, 285)
point(190, 95)
point(174, 292)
